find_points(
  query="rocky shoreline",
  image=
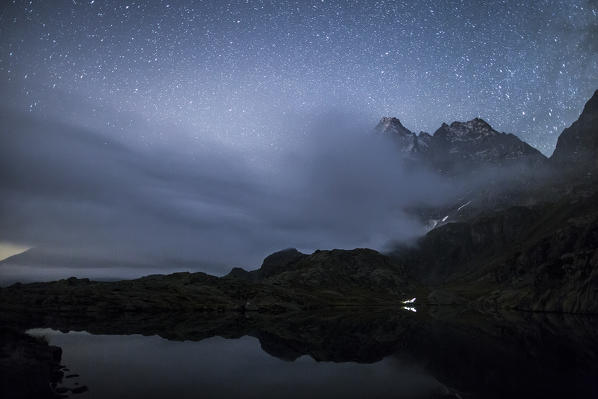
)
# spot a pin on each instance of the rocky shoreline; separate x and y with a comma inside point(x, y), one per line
point(29, 367)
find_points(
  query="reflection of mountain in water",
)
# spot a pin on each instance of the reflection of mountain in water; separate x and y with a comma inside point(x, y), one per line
point(516, 355)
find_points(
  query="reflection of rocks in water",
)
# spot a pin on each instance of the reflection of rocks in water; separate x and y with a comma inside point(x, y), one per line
point(27, 365)
point(511, 355)
point(363, 338)
point(527, 355)
point(341, 336)
point(30, 368)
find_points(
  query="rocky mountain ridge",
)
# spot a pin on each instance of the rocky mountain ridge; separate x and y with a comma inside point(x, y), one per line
point(540, 256)
point(461, 146)
point(288, 281)
point(577, 146)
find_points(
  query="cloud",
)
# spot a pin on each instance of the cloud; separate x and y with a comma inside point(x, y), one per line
point(83, 191)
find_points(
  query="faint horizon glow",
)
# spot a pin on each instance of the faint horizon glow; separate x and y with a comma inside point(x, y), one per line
point(7, 250)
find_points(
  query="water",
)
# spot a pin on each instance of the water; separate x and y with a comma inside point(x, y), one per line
point(136, 366)
point(351, 354)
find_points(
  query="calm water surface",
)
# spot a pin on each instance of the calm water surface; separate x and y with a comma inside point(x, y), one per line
point(349, 355)
point(136, 366)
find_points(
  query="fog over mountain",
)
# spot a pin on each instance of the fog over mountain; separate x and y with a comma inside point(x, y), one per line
point(161, 136)
point(76, 191)
point(96, 201)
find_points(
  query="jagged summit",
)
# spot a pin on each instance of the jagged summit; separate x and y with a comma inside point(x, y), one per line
point(577, 146)
point(464, 145)
point(590, 110)
point(460, 146)
point(473, 129)
point(389, 124)
point(406, 140)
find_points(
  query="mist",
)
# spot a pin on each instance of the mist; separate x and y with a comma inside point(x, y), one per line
point(78, 191)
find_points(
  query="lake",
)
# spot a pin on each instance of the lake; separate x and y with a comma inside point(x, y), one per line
point(349, 354)
point(135, 366)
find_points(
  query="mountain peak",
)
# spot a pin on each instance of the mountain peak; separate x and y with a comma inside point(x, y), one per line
point(460, 146)
point(480, 123)
point(389, 124)
point(476, 124)
point(577, 146)
point(590, 110)
point(279, 262)
point(405, 139)
point(470, 130)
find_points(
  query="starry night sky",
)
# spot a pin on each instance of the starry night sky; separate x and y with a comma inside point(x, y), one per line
point(216, 132)
point(233, 69)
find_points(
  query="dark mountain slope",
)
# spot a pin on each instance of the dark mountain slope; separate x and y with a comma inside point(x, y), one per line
point(531, 245)
point(323, 279)
point(577, 146)
point(358, 271)
point(448, 251)
point(543, 258)
point(463, 146)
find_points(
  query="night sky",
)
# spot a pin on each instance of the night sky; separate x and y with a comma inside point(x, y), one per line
point(225, 89)
point(231, 69)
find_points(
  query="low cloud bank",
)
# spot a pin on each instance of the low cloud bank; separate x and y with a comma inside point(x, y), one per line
point(84, 193)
